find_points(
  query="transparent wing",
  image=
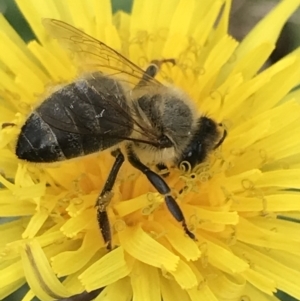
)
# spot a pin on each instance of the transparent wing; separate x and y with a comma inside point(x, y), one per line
point(93, 55)
point(94, 107)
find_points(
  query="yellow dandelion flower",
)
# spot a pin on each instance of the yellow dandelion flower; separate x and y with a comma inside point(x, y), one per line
point(241, 203)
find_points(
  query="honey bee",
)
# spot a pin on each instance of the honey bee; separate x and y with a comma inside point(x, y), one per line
point(118, 106)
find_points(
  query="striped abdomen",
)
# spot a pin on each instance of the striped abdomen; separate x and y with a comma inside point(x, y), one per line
point(83, 117)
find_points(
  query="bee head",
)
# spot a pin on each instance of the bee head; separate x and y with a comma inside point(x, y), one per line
point(206, 138)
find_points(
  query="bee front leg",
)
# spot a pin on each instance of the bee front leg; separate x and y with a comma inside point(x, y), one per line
point(163, 188)
point(105, 197)
point(155, 66)
point(153, 69)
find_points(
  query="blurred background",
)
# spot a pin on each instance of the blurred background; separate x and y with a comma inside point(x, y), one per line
point(244, 15)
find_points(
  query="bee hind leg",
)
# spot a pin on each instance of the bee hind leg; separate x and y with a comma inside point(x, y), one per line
point(105, 197)
point(163, 188)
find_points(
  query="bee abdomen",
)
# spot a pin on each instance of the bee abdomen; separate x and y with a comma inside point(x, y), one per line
point(40, 141)
point(76, 120)
point(37, 142)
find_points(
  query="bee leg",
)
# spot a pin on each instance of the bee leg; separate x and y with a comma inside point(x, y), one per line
point(7, 124)
point(155, 66)
point(158, 63)
point(163, 188)
point(153, 69)
point(105, 197)
point(161, 167)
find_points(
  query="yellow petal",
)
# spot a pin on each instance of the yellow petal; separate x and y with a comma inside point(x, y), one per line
point(271, 24)
point(263, 283)
point(121, 290)
point(39, 274)
point(181, 243)
point(252, 234)
point(11, 274)
point(227, 287)
point(222, 258)
point(145, 282)
point(252, 292)
point(184, 276)
point(141, 246)
point(69, 262)
point(286, 278)
point(276, 202)
point(171, 291)
point(280, 178)
point(78, 223)
point(203, 292)
point(5, 291)
point(107, 270)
